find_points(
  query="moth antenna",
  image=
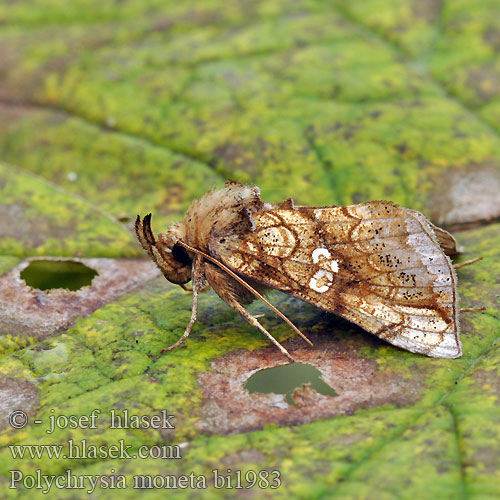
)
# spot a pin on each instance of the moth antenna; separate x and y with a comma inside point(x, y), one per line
point(197, 269)
point(139, 231)
point(466, 263)
point(472, 309)
point(144, 233)
point(147, 229)
point(248, 287)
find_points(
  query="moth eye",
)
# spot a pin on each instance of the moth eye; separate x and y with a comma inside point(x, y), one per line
point(180, 255)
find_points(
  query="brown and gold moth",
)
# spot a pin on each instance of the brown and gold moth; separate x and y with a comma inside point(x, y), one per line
point(376, 264)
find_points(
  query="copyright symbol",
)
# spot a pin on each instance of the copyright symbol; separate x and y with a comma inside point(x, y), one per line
point(18, 419)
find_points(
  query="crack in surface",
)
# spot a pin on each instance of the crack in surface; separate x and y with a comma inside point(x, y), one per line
point(119, 131)
point(327, 165)
point(460, 460)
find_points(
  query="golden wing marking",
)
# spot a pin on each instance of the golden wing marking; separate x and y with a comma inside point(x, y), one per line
point(379, 266)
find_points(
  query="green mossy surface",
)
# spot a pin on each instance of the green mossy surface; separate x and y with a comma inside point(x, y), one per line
point(111, 111)
point(41, 219)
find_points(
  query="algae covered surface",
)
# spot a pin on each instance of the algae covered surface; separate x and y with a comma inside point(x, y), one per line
point(109, 110)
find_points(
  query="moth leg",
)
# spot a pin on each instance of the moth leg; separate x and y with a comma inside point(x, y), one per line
point(467, 263)
point(233, 293)
point(472, 309)
point(198, 284)
point(253, 321)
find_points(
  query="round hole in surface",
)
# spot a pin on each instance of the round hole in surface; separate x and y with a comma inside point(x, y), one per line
point(48, 274)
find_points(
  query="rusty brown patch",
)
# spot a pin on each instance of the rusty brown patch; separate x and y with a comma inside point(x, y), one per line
point(467, 195)
point(17, 394)
point(26, 311)
point(229, 408)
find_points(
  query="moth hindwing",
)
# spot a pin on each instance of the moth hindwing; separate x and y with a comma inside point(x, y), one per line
point(376, 264)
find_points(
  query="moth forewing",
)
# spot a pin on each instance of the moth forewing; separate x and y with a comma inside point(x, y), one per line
point(376, 264)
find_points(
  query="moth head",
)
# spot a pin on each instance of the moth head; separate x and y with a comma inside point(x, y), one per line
point(176, 263)
point(172, 258)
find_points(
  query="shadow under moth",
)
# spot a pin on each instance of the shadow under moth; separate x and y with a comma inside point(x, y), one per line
point(376, 264)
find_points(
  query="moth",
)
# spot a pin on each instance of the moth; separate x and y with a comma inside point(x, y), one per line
point(381, 266)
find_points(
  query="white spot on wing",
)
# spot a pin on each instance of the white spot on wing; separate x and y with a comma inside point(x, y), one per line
point(324, 252)
point(320, 251)
point(320, 275)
